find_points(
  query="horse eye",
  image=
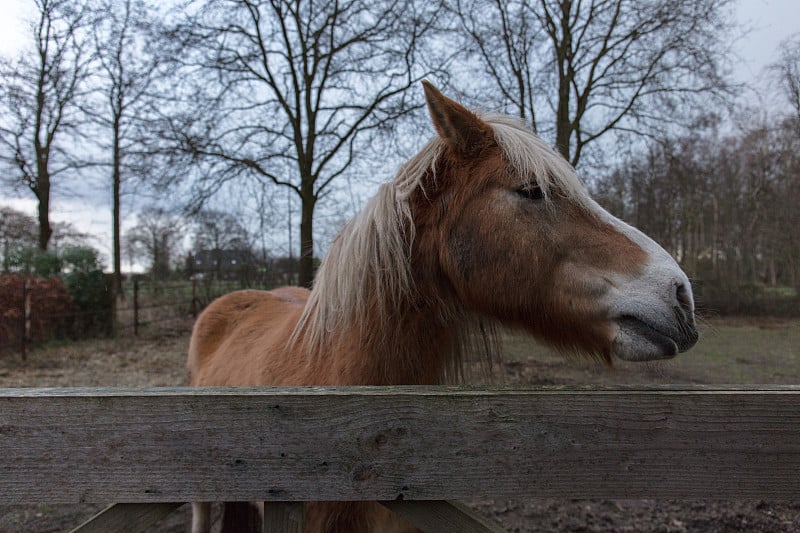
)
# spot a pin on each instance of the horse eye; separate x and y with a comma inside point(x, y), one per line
point(531, 192)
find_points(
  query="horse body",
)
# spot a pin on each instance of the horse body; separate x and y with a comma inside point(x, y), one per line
point(486, 225)
point(241, 339)
point(238, 339)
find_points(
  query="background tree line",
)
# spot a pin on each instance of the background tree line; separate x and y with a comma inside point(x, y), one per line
point(217, 121)
point(724, 204)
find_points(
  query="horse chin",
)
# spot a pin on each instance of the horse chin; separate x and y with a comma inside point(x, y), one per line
point(636, 340)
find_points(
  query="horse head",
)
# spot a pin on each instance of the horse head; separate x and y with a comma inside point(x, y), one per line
point(505, 222)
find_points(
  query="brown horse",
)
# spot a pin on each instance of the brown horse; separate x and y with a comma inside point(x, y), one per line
point(486, 225)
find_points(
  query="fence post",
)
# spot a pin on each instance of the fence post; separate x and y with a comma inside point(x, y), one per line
point(116, 292)
point(136, 306)
point(25, 321)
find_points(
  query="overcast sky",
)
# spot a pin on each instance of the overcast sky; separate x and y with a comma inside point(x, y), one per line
point(770, 22)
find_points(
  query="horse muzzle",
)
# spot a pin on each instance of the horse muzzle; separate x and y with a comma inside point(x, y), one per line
point(643, 339)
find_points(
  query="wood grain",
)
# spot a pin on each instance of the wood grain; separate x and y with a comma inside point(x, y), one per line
point(293, 444)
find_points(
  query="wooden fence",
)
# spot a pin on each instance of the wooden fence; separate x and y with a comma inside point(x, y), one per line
point(413, 448)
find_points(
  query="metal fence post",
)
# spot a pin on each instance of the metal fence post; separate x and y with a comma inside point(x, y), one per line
point(25, 321)
point(136, 306)
point(194, 298)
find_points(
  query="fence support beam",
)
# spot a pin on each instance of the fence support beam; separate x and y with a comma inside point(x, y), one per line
point(127, 518)
point(440, 516)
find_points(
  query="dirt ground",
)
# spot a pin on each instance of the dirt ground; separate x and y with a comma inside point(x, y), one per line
point(729, 352)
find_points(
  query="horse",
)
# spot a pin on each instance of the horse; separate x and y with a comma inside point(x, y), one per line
point(486, 226)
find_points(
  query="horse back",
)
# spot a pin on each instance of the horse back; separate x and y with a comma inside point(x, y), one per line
point(241, 338)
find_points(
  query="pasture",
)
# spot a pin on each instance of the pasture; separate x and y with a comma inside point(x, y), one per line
point(729, 352)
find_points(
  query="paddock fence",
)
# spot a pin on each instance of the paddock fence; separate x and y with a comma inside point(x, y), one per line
point(155, 307)
point(415, 449)
point(35, 310)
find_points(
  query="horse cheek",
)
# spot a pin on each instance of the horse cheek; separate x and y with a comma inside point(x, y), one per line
point(477, 263)
point(468, 258)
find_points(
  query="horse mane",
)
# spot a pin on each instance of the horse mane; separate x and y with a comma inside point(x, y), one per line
point(366, 278)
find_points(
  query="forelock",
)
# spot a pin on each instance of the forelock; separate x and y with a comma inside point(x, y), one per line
point(535, 160)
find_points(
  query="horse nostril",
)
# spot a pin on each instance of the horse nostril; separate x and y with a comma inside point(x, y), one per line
point(684, 299)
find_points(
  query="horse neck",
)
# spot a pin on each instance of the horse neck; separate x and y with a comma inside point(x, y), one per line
point(414, 347)
point(369, 331)
point(374, 319)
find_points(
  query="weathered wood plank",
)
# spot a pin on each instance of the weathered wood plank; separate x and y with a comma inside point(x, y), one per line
point(127, 518)
point(272, 444)
point(283, 517)
point(442, 517)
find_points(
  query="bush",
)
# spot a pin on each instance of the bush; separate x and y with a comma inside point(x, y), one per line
point(77, 303)
point(31, 260)
point(81, 259)
point(90, 290)
point(93, 299)
point(50, 304)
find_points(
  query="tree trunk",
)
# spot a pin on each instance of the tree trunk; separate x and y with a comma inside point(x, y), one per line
point(117, 283)
point(565, 75)
point(43, 194)
point(307, 239)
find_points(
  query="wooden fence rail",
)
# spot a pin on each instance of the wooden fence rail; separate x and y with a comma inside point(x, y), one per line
point(397, 444)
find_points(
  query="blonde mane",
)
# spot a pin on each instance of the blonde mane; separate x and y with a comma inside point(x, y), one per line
point(366, 277)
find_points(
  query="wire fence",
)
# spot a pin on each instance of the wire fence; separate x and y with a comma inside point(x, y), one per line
point(36, 310)
point(152, 307)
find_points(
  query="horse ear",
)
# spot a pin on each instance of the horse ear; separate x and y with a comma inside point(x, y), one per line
point(459, 127)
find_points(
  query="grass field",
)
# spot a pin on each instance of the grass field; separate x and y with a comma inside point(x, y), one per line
point(744, 353)
point(733, 351)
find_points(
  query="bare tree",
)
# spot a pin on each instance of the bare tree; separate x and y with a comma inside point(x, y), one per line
point(17, 232)
point(508, 41)
point(787, 69)
point(578, 70)
point(38, 98)
point(265, 212)
point(293, 87)
point(217, 233)
point(19, 236)
point(128, 73)
point(155, 238)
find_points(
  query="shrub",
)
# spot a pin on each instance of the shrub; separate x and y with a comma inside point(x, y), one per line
point(93, 300)
point(51, 308)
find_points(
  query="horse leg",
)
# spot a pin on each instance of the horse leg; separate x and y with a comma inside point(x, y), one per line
point(201, 517)
point(241, 517)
